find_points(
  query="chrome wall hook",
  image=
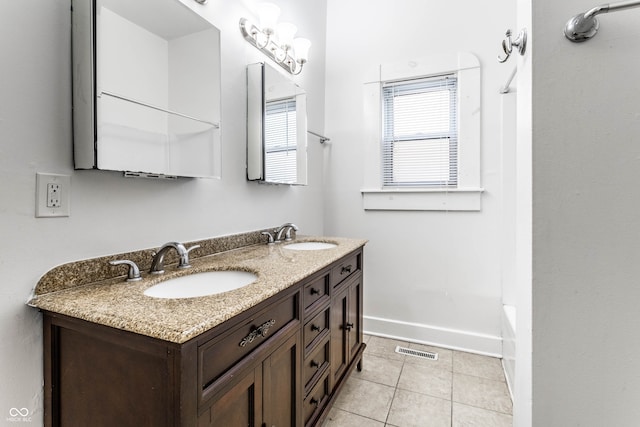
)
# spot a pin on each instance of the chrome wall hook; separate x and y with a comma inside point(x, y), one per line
point(508, 44)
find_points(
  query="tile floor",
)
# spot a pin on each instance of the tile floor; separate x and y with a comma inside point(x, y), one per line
point(457, 390)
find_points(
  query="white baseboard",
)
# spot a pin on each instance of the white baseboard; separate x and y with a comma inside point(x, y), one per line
point(472, 342)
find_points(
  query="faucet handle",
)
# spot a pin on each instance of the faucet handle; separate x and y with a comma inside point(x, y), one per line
point(288, 227)
point(192, 248)
point(133, 272)
point(287, 236)
point(184, 259)
point(270, 241)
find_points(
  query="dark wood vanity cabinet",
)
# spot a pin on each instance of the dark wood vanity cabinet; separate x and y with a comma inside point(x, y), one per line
point(280, 363)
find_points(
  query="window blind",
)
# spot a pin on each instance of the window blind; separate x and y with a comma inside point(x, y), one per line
point(280, 141)
point(420, 132)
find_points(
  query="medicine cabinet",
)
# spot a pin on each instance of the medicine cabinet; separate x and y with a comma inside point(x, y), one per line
point(146, 88)
point(276, 127)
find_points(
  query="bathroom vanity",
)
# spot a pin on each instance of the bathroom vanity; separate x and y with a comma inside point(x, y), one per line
point(273, 353)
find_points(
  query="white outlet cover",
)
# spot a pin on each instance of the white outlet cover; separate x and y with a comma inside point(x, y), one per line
point(64, 186)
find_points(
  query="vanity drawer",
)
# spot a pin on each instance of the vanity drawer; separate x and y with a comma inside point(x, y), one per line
point(220, 354)
point(315, 293)
point(315, 364)
point(316, 400)
point(315, 329)
point(345, 268)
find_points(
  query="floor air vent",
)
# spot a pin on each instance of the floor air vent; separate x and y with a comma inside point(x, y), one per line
point(417, 353)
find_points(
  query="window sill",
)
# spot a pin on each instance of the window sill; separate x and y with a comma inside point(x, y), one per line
point(439, 199)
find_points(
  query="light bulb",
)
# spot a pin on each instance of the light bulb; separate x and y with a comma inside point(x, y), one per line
point(268, 13)
point(285, 32)
point(301, 47)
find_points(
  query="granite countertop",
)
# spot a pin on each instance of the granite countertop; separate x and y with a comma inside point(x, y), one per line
point(123, 305)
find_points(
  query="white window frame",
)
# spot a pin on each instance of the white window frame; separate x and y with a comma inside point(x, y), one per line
point(393, 175)
point(466, 196)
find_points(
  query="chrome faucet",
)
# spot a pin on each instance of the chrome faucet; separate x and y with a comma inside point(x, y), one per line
point(157, 265)
point(288, 226)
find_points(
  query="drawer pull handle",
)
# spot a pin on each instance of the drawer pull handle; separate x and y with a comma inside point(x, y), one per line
point(346, 269)
point(314, 402)
point(315, 328)
point(348, 326)
point(314, 364)
point(315, 291)
point(260, 331)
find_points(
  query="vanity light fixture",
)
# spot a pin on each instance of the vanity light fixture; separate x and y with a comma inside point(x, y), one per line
point(276, 40)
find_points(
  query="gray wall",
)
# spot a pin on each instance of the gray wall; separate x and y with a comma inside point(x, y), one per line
point(586, 227)
point(109, 213)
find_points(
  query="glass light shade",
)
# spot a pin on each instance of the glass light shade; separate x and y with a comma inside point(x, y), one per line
point(301, 47)
point(268, 13)
point(285, 32)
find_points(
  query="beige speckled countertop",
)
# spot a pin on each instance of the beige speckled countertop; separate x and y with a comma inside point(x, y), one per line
point(123, 305)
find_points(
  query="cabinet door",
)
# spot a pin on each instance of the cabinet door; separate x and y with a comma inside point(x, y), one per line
point(339, 346)
point(101, 377)
point(282, 390)
point(346, 326)
point(241, 406)
point(353, 325)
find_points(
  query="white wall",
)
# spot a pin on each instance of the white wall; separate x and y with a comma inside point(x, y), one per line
point(522, 391)
point(111, 214)
point(431, 276)
point(586, 227)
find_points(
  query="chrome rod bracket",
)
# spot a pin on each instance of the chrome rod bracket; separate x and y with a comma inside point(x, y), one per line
point(322, 138)
point(584, 26)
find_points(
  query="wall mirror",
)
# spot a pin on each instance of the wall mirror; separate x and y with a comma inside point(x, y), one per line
point(146, 88)
point(276, 127)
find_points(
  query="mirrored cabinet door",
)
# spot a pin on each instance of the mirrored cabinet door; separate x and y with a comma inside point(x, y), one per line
point(146, 88)
point(276, 127)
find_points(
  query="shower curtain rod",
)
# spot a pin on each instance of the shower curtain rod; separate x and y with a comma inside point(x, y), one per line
point(583, 26)
point(505, 88)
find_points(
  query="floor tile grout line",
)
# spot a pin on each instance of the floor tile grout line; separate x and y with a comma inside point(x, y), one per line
point(423, 394)
point(395, 391)
point(478, 376)
point(480, 407)
point(386, 419)
point(451, 392)
point(361, 416)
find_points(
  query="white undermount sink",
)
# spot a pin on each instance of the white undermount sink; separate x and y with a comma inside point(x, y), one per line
point(310, 246)
point(201, 284)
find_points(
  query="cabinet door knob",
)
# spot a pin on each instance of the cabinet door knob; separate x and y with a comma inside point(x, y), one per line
point(314, 364)
point(348, 326)
point(314, 402)
point(315, 328)
point(315, 291)
point(346, 269)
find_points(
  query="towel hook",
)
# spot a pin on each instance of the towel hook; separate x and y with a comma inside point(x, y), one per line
point(508, 44)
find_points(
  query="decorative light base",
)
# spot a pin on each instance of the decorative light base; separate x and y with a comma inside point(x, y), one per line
point(281, 57)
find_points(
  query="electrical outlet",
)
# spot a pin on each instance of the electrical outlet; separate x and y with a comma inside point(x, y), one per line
point(52, 195)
